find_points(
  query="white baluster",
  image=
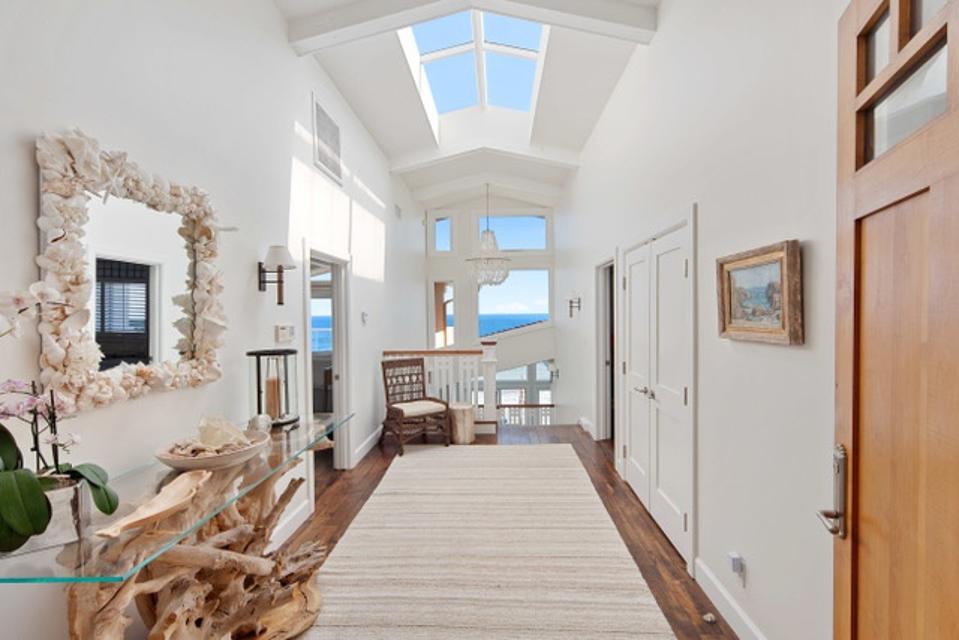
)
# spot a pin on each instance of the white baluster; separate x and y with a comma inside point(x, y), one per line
point(489, 380)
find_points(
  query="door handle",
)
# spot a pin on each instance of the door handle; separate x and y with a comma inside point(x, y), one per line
point(835, 519)
point(646, 391)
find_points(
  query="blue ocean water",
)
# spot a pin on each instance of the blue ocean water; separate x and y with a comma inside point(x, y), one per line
point(497, 323)
point(322, 333)
point(489, 324)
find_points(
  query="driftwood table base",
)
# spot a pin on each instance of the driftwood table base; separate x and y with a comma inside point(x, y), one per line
point(218, 583)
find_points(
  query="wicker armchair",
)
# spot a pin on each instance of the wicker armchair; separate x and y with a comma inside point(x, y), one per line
point(410, 413)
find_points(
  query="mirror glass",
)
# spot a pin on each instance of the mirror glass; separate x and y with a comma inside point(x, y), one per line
point(138, 263)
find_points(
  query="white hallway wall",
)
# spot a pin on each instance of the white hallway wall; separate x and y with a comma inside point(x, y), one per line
point(733, 106)
point(207, 93)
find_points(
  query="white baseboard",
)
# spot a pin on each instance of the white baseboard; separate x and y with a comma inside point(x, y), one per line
point(737, 618)
point(365, 447)
point(587, 426)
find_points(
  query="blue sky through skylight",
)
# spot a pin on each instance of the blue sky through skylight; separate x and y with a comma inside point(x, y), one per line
point(509, 81)
point(512, 31)
point(453, 82)
point(443, 33)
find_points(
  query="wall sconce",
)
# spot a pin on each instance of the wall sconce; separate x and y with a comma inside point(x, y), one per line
point(278, 260)
point(575, 303)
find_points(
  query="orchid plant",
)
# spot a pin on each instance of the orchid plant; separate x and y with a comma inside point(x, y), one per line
point(25, 509)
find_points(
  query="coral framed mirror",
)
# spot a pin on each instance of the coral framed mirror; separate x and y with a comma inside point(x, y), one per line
point(133, 257)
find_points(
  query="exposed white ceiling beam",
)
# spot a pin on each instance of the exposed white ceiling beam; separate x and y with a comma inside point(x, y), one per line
point(363, 18)
point(613, 18)
point(425, 159)
point(449, 193)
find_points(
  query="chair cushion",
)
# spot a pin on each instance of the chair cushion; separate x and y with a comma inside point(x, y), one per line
point(418, 408)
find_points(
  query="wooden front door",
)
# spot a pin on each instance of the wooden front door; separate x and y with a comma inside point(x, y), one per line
point(897, 358)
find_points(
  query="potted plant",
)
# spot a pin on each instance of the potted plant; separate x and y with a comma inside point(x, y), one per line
point(26, 507)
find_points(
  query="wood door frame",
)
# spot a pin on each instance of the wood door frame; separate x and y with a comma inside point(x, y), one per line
point(603, 303)
point(689, 221)
point(342, 444)
point(922, 159)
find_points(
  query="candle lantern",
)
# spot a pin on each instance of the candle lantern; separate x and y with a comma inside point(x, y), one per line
point(274, 379)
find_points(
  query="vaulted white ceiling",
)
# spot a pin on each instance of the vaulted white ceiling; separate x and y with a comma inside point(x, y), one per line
point(446, 160)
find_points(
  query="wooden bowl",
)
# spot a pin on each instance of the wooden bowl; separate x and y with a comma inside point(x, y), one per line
point(259, 442)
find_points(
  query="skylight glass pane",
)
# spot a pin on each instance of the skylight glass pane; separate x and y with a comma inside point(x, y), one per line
point(509, 81)
point(453, 82)
point(512, 32)
point(443, 33)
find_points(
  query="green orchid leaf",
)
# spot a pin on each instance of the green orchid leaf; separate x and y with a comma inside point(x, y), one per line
point(92, 473)
point(105, 498)
point(23, 505)
point(10, 457)
point(10, 540)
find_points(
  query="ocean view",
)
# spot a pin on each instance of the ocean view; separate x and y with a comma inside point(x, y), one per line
point(489, 324)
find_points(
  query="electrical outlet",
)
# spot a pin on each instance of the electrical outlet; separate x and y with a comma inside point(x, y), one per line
point(284, 333)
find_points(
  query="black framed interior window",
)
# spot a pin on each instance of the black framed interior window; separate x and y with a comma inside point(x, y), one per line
point(122, 312)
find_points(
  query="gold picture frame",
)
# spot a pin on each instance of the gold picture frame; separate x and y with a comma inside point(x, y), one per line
point(760, 294)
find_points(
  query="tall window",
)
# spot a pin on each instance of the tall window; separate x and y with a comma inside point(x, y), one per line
point(442, 235)
point(521, 301)
point(443, 314)
point(517, 233)
point(122, 312)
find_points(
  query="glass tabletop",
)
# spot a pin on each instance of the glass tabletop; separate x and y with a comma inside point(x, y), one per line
point(75, 552)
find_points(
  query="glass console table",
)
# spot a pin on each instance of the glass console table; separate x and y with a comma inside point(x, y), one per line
point(73, 562)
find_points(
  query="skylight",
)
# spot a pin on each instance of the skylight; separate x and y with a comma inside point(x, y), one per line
point(478, 59)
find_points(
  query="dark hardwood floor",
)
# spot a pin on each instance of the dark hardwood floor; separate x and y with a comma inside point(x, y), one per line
point(341, 494)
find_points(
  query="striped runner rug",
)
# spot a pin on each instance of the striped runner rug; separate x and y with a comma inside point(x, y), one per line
point(485, 542)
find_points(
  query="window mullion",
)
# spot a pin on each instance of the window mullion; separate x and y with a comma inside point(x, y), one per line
point(515, 52)
point(478, 44)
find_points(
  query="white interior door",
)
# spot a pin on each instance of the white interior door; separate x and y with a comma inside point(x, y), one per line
point(637, 403)
point(670, 420)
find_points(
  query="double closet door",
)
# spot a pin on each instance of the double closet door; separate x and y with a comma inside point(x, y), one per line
point(658, 324)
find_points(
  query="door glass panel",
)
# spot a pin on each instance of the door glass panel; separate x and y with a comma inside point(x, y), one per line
point(922, 11)
point(914, 102)
point(878, 47)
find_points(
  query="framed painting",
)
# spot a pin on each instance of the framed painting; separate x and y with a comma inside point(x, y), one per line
point(760, 294)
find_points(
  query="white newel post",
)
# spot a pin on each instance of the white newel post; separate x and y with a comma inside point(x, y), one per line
point(489, 380)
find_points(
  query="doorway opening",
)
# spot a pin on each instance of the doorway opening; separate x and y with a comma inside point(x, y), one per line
point(326, 342)
point(322, 330)
point(606, 353)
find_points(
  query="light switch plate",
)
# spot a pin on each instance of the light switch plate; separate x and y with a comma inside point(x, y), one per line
point(284, 333)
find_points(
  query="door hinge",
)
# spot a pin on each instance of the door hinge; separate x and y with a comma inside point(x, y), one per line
point(685, 522)
point(624, 283)
point(685, 396)
point(624, 367)
point(686, 268)
point(624, 450)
